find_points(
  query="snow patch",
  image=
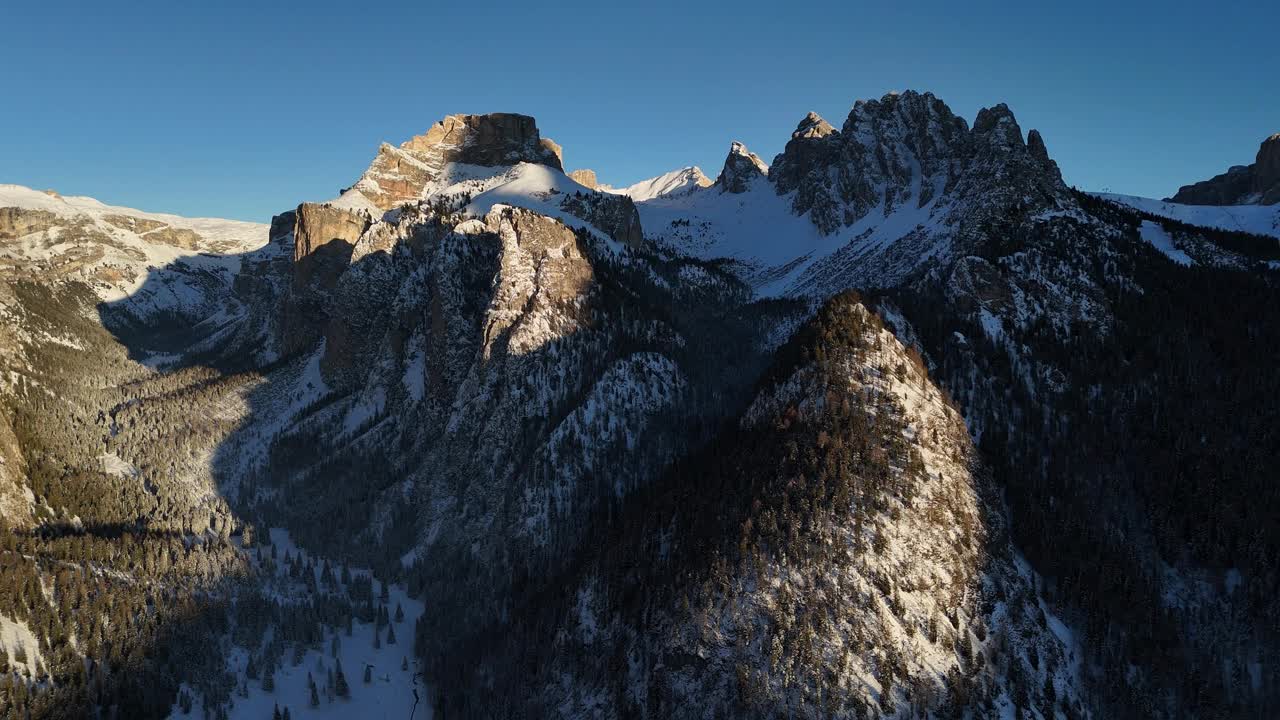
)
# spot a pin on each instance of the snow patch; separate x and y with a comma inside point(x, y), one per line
point(1162, 241)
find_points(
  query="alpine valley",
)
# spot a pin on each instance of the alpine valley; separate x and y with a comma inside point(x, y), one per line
point(896, 425)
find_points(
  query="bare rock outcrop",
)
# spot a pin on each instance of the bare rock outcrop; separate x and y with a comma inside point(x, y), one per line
point(15, 497)
point(324, 237)
point(741, 168)
point(908, 150)
point(16, 222)
point(399, 174)
point(1266, 171)
point(1258, 183)
point(586, 178)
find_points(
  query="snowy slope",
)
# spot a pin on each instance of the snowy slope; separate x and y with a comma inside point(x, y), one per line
point(1256, 219)
point(114, 249)
point(781, 251)
point(394, 678)
point(1162, 241)
point(676, 182)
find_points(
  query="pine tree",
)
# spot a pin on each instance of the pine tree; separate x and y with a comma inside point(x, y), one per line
point(275, 713)
point(315, 697)
point(391, 634)
point(399, 613)
point(377, 639)
point(404, 663)
point(334, 646)
point(268, 681)
point(340, 682)
point(368, 674)
point(286, 714)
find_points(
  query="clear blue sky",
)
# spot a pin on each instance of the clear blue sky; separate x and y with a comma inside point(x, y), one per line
point(244, 109)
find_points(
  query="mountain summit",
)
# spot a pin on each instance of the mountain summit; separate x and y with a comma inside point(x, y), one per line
point(1255, 184)
point(400, 174)
point(741, 168)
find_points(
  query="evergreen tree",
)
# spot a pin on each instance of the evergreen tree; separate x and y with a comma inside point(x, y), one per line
point(391, 635)
point(268, 680)
point(340, 682)
point(399, 613)
point(275, 713)
point(315, 697)
point(368, 674)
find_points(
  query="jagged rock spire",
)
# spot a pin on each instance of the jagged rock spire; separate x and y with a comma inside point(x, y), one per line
point(741, 168)
point(812, 126)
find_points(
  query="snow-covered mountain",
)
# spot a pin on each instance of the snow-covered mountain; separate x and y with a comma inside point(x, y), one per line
point(674, 183)
point(110, 248)
point(637, 452)
point(1254, 219)
point(903, 184)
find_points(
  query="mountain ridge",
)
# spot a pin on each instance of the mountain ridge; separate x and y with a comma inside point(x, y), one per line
point(649, 455)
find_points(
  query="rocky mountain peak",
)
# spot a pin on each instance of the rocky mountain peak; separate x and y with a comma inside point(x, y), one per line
point(741, 167)
point(812, 126)
point(903, 148)
point(1035, 146)
point(1258, 183)
point(492, 139)
point(399, 174)
point(908, 156)
point(1266, 171)
point(586, 178)
point(997, 116)
point(1040, 153)
point(997, 130)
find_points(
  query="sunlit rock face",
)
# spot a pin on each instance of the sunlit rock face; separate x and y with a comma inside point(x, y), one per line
point(324, 237)
point(908, 150)
point(400, 174)
point(741, 168)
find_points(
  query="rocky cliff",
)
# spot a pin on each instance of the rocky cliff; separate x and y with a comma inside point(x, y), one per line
point(741, 168)
point(400, 174)
point(1258, 183)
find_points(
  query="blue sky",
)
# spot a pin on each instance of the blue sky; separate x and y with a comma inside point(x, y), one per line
point(245, 109)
